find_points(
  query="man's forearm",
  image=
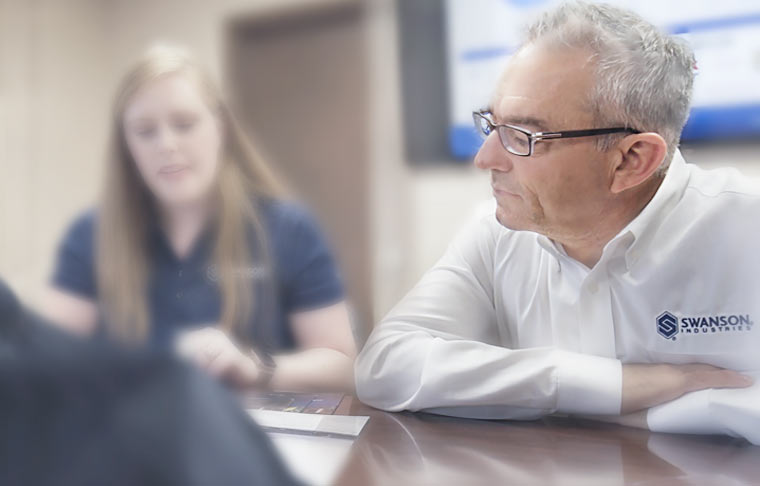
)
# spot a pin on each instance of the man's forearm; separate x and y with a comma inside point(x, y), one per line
point(405, 368)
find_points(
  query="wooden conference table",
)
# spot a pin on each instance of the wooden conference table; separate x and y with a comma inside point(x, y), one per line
point(418, 449)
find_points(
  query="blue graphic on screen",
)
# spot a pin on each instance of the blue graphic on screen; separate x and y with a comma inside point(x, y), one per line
point(525, 3)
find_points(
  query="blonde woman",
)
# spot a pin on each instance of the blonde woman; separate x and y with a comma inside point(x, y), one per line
point(192, 240)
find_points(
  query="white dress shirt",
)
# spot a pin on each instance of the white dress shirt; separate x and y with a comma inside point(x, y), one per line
point(506, 325)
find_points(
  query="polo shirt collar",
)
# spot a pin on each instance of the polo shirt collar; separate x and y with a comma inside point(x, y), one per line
point(199, 252)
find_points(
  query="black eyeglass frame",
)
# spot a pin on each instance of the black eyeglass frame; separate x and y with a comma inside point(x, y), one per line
point(539, 136)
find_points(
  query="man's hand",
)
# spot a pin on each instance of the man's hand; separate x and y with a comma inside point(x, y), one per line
point(647, 385)
point(211, 349)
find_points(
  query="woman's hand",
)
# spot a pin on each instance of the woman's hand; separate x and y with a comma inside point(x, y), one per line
point(212, 350)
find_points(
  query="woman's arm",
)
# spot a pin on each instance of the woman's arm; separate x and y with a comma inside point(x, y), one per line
point(325, 359)
point(70, 299)
point(69, 311)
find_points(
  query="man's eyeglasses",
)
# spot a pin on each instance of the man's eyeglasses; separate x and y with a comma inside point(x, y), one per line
point(519, 141)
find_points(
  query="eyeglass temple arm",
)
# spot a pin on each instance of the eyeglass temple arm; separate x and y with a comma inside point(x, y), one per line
point(583, 133)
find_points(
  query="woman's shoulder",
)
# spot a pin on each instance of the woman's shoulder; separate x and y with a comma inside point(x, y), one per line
point(280, 215)
point(85, 219)
point(74, 270)
point(81, 230)
point(293, 230)
point(302, 256)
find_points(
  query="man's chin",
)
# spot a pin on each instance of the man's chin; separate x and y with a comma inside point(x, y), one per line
point(509, 221)
point(504, 220)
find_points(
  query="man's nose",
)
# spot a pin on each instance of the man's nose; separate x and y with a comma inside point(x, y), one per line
point(492, 155)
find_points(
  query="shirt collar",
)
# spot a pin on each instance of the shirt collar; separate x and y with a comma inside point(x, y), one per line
point(199, 253)
point(644, 226)
point(551, 246)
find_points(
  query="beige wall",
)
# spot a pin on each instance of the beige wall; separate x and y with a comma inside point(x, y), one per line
point(52, 90)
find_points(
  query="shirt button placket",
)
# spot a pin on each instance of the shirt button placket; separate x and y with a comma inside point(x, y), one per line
point(180, 294)
point(598, 331)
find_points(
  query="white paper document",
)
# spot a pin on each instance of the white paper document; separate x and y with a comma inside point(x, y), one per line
point(312, 459)
point(347, 426)
point(314, 447)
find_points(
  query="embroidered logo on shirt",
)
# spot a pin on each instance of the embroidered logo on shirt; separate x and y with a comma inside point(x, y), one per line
point(250, 273)
point(668, 324)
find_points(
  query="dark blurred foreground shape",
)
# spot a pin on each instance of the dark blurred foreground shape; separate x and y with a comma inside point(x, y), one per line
point(84, 413)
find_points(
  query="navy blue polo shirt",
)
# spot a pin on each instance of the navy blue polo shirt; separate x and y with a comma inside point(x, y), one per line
point(183, 293)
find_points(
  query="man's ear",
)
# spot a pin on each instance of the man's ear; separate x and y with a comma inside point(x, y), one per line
point(638, 157)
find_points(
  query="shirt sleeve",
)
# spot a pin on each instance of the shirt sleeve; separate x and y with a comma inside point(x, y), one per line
point(309, 276)
point(441, 350)
point(728, 411)
point(74, 269)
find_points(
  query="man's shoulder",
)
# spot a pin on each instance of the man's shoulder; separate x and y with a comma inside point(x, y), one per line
point(724, 183)
point(717, 203)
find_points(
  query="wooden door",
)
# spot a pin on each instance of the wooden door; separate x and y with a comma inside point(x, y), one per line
point(298, 81)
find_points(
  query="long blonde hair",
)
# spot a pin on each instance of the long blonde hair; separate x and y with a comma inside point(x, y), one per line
point(126, 211)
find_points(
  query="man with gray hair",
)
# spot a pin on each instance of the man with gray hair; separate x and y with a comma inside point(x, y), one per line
point(615, 280)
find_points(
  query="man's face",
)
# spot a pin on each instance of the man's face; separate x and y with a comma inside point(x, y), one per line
point(562, 189)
